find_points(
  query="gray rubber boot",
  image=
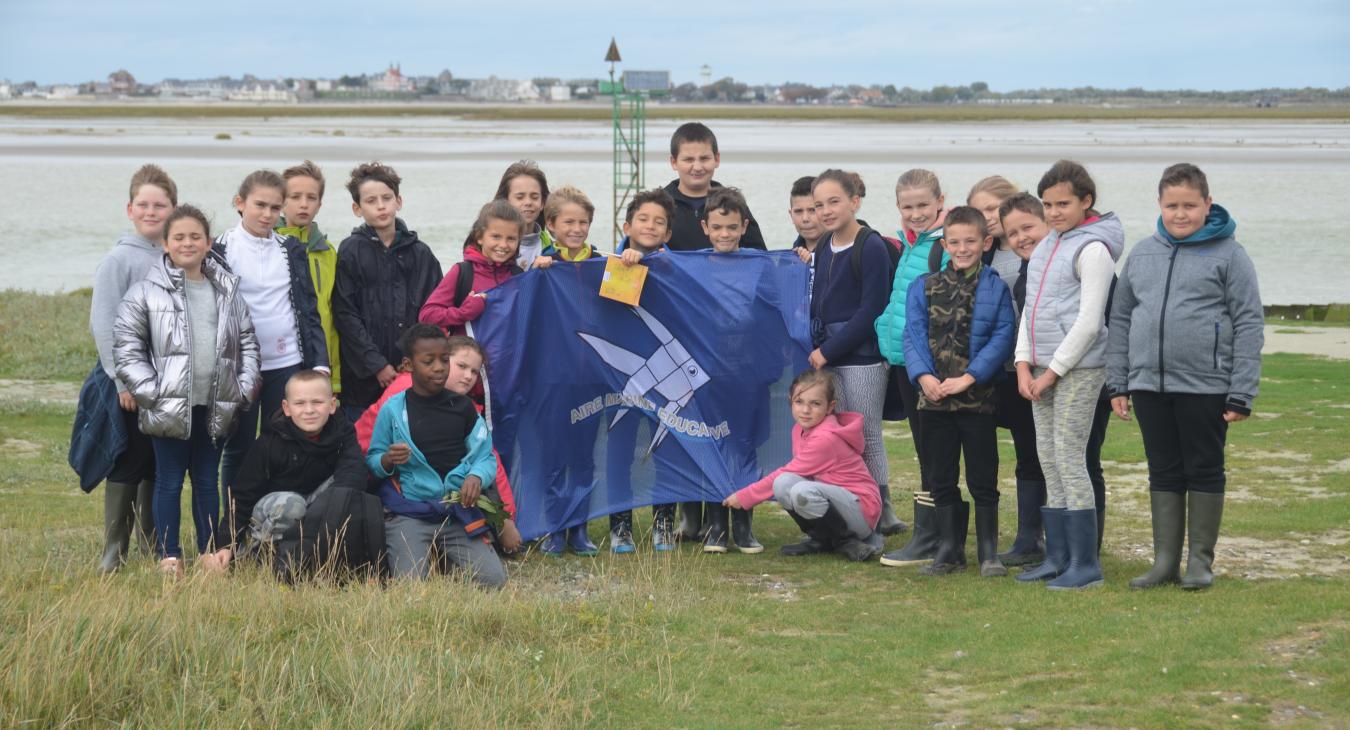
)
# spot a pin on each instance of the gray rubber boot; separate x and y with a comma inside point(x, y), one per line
point(117, 519)
point(1202, 530)
point(888, 524)
point(1169, 528)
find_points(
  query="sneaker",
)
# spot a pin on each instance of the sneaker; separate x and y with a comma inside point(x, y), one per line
point(621, 540)
point(808, 546)
point(663, 535)
point(580, 542)
point(554, 544)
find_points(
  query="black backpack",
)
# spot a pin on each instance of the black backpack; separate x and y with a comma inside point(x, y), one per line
point(855, 256)
point(464, 280)
point(341, 536)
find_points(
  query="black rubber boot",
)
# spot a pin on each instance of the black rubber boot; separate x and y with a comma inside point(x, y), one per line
point(145, 517)
point(715, 518)
point(692, 525)
point(1084, 571)
point(986, 542)
point(1029, 545)
point(923, 542)
point(1169, 529)
point(888, 524)
point(1056, 548)
point(816, 540)
point(1205, 512)
point(952, 526)
point(118, 498)
point(741, 534)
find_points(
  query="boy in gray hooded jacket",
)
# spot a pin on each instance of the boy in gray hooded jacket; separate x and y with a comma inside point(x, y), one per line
point(1184, 343)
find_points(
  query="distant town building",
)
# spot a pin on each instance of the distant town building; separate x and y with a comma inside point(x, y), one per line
point(121, 82)
point(560, 92)
point(6, 90)
point(495, 89)
point(392, 81)
point(63, 91)
point(263, 92)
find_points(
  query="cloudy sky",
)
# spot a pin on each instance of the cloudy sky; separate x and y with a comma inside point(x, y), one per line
point(1155, 44)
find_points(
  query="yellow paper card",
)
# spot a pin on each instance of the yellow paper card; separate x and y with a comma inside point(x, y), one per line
point(623, 283)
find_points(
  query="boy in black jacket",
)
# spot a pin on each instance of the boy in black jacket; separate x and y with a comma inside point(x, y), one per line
point(304, 448)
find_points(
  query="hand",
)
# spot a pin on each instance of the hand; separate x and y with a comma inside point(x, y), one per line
point(733, 502)
point(932, 389)
point(1234, 416)
point(630, 257)
point(1121, 405)
point(541, 262)
point(398, 453)
point(509, 537)
point(126, 402)
point(1024, 380)
point(957, 385)
point(817, 360)
point(386, 375)
point(1043, 384)
point(804, 255)
point(470, 490)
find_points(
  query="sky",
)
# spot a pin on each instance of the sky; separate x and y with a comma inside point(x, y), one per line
point(1154, 44)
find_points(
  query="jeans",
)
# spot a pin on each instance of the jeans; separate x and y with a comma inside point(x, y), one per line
point(199, 456)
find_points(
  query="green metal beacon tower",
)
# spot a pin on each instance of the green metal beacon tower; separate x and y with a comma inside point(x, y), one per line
point(630, 93)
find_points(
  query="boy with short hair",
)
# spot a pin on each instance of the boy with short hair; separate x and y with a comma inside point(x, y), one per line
point(694, 158)
point(303, 199)
point(959, 330)
point(384, 274)
point(1184, 342)
point(802, 209)
point(305, 448)
point(646, 225)
point(433, 442)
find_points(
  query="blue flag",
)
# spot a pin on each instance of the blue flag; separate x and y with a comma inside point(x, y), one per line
point(598, 407)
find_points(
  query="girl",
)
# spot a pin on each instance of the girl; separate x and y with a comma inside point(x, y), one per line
point(490, 256)
point(524, 186)
point(1061, 364)
point(918, 197)
point(567, 220)
point(826, 488)
point(132, 478)
point(986, 196)
point(275, 284)
point(185, 347)
point(845, 301)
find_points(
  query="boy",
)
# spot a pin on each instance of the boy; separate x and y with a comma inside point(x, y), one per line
point(694, 158)
point(646, 225)
point(802, 209)
point(384, 274)
point(304, 449)
point(432, 441)
point(1184, 343)
point(959, 330)
point(303, 198)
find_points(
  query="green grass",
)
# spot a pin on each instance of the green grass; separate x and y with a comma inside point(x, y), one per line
point(601, 111)
point(687, 640)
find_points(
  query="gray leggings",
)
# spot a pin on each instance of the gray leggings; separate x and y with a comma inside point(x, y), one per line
point(810, 500)
point(1063, 419)
point(411, 541)
point(862, 389)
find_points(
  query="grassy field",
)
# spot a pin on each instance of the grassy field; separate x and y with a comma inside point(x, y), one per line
point(686, 640)
point(601, 111)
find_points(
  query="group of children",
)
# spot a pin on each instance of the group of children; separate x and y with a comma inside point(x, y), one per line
point(230, 354)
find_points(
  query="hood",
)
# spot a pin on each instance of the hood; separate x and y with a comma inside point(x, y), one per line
point(932, 232)
point(330, 438)
point(674, 189)
point(137, 241)
point(482, 264)
point(846, 426)
point(167, 276)
point(1107, 229)
point(402, 236)
point(314, 239)
point(1218, 224)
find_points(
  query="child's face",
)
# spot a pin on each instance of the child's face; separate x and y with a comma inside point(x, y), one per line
point(464, 365)
point(525, 195)
point(804, 218)
point(695, 164)
point(259, 212)
point(378, 205)
point(1184, 210)
point(919, 208)
point(649, 228)
point(302, 201)
point(810, 406)
point(988, 204)
point(309, 404)
point(1024, 231)
point(965, 245)
point(187, 244)
point(1064, 210)
point(500, 241)
point(724, 229)
point(147, 211)
point(429, 363)
point(834, 207)
point(571, 226)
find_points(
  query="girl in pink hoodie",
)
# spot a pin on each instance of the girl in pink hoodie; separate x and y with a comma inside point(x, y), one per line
point(491, 254)
point(826, 487)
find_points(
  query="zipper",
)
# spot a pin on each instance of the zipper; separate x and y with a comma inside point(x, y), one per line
point(1031, 324)
point(1216, 345)
point(1162, 318)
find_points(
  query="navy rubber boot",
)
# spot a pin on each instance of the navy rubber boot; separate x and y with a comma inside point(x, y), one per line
point(1056, 548)
point(1084, 571)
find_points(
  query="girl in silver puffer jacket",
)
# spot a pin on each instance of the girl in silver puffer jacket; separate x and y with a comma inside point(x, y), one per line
point(186, 351)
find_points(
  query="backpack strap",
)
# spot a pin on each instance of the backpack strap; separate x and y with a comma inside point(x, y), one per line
point(935, 258)
point(463, 284)
point(855, 256)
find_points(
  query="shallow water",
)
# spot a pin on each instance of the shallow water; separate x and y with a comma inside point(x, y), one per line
point(1285, 183)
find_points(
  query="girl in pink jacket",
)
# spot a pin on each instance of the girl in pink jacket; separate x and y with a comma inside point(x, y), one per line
point(826, 488)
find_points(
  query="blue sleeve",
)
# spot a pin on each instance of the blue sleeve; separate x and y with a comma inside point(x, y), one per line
point(876, 289)
point(482, 462)
point(380, 438)
point(918, 357)
point(988, 362)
